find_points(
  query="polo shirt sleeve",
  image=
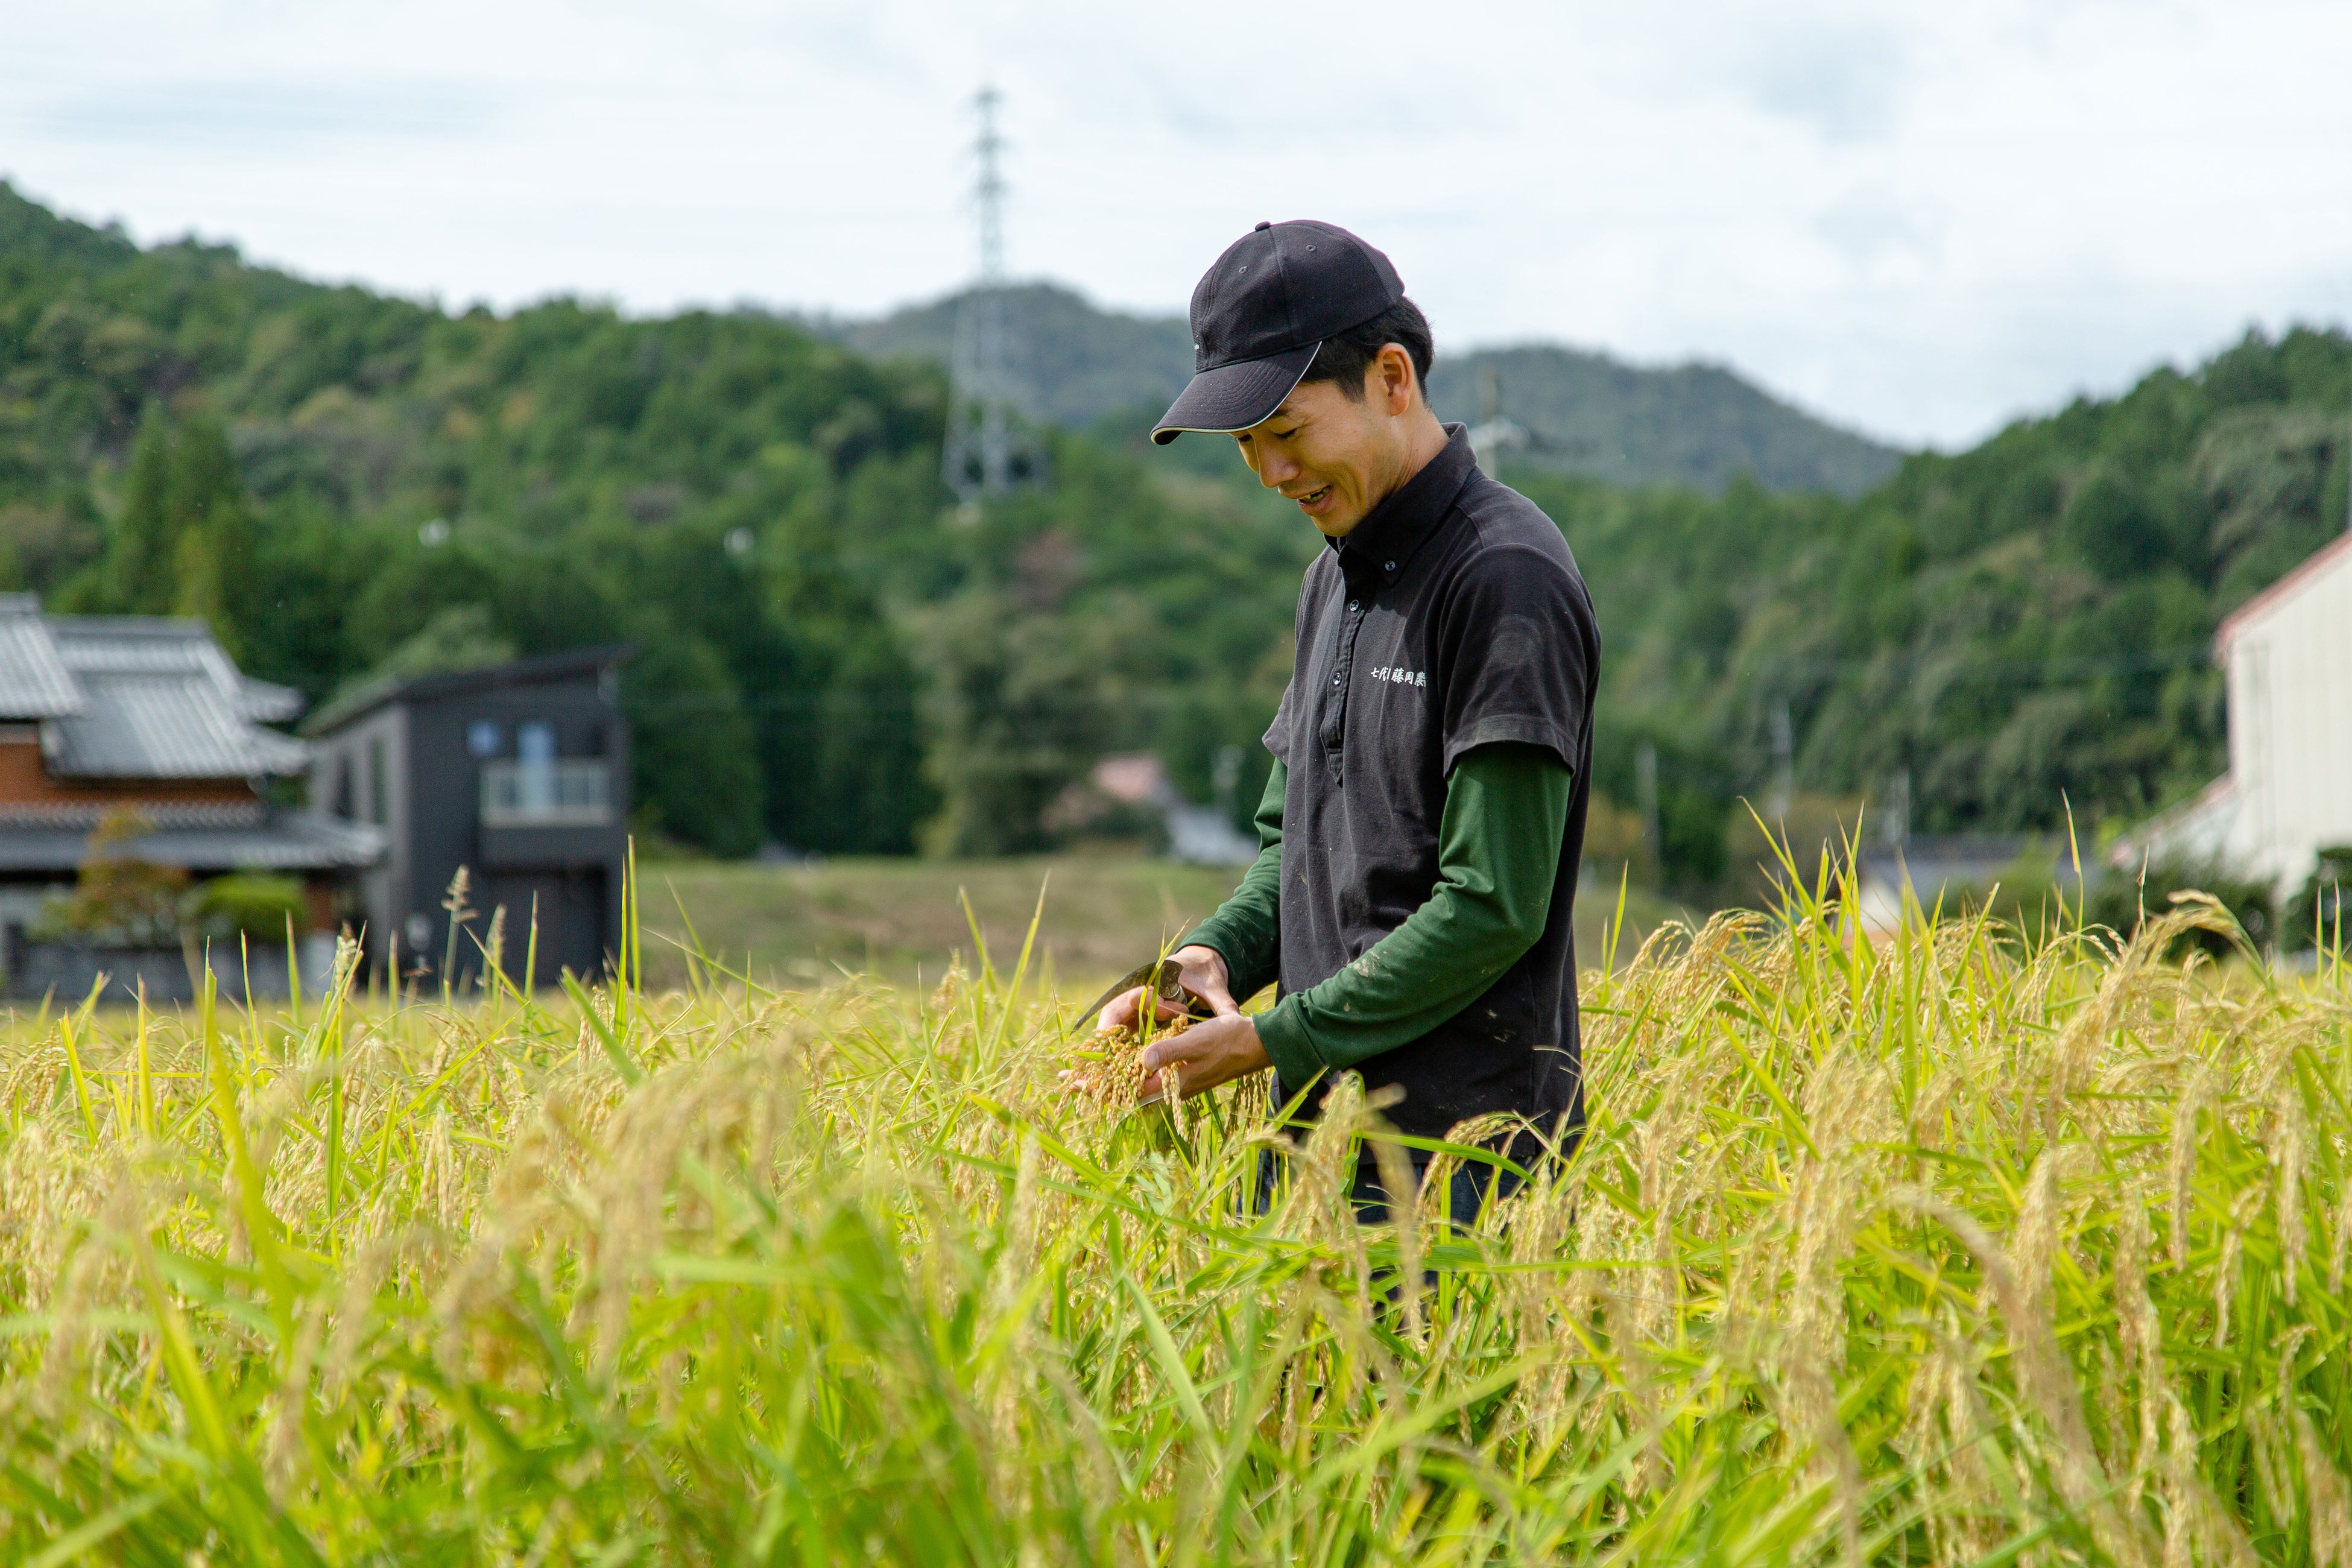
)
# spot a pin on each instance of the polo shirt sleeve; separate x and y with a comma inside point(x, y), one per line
point(1246, 930)
point(1515, 658)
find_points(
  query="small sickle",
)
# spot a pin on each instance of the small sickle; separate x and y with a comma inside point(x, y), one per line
point(1164, 975)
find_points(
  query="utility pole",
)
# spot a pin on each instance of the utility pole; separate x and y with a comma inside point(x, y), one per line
point(987, 453)
point(1784, 767)
point(1645, 798)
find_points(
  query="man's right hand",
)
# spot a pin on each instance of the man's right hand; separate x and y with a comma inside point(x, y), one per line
point(1200, 970)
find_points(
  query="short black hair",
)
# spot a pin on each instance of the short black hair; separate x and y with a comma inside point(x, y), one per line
point(1346, 356)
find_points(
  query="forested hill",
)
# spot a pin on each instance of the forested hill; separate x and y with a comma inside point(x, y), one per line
point(1693, 426)
point(835, 658)
point(2012, 630)
point(344, 482)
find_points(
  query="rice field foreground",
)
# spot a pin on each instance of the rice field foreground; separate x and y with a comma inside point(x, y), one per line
point(1956, 1250)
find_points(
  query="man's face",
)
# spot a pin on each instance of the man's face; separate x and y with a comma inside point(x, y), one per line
point(1336, 457)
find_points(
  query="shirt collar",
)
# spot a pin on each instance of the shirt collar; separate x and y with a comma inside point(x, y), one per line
point(1378, 549)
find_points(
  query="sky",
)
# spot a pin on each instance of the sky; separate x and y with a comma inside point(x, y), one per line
point(1918, 220)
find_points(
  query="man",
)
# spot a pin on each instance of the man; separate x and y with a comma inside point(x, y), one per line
point(1422, 828)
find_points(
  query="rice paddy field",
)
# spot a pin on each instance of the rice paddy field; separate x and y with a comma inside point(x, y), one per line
point(1956, 1248)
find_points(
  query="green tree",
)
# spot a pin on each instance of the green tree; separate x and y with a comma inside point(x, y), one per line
point(697, 770)
point(135, 578)
point(184, 543)
point(212, 545)
point(1020, 705)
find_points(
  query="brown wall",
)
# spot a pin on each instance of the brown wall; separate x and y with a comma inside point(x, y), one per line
point(23, 781)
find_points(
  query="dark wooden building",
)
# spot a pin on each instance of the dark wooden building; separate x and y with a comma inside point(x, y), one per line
point(518, 773)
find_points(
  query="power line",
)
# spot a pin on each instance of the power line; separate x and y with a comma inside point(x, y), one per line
point(836, 701)
point(2155, 661)
point(2051, 672)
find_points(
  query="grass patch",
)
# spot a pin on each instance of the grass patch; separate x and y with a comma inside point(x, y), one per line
point(900, 919)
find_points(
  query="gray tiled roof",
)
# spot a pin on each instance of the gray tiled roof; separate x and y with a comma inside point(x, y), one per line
point(81, 816)
point(279, 841)
point(34, 681)
point(162, 726)
point(139, 697)
point(265, 703)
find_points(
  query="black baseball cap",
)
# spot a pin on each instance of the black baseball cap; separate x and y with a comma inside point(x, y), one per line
point(1261, 312)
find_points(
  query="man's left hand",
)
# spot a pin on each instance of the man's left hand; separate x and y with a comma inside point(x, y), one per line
point(1216, 1050)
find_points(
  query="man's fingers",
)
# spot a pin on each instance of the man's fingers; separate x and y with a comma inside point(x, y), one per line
point(1183, 1047)
point(1215, 994)
point(1220, 1000)
point(1203, 976)
point(1119, 1013)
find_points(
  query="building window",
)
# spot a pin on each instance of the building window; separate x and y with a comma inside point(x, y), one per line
point(485, 737)
point(535, 770)
point(379, 810)
point(547, 794)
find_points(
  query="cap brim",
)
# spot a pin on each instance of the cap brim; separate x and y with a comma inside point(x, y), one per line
point(1235, 396)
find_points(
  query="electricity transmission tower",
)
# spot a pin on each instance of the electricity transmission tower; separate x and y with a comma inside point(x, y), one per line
point(988, 452)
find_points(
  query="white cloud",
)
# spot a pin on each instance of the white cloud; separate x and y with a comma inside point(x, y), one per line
point(1920, 218)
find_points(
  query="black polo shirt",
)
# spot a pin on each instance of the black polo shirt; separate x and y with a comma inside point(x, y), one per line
point(1453, 617)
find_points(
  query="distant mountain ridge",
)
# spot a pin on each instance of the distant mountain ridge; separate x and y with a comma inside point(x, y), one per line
point(1075, 362)
point(1697, 424)
point(1693, 426)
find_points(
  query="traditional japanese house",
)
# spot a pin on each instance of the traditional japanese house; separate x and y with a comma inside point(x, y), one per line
point(147, 720)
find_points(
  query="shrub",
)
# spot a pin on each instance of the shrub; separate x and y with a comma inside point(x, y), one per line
point(2127, 903)
point(252, 904)
point(119, 898)
point(2316, 913)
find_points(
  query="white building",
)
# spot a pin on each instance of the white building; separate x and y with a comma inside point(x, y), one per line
point(2288, 792)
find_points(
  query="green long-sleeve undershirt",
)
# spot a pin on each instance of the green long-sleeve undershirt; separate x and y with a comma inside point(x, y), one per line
point(1497, 852)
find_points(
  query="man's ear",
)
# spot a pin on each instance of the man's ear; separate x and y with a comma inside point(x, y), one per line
point(1392, 379)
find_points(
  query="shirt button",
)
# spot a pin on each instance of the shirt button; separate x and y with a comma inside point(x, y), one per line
point(1388, 565)
point(1351, 604)
point(1335, 680)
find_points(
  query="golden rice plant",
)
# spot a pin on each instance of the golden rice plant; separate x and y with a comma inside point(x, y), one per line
point(1954, 1249)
